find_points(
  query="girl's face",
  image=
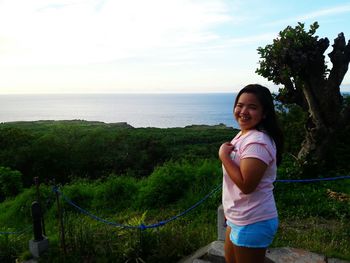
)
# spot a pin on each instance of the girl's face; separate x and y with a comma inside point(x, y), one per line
point(248, 112)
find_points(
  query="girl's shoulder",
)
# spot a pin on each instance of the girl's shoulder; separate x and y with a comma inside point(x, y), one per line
point(255, 136)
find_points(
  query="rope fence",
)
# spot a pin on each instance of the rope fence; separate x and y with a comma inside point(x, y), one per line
point(312, 180)
point(141, 226)
point(16, 232)
point(162, 223)
point(56, 190)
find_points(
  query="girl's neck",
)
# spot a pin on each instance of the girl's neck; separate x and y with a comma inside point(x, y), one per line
point(244, 132)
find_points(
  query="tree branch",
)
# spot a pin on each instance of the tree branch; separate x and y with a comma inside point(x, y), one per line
point(340, 58)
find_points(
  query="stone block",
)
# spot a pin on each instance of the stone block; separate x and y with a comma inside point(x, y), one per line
point(38, 247)
point(221, 224)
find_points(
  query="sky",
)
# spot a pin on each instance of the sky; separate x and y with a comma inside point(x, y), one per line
point(153, 46)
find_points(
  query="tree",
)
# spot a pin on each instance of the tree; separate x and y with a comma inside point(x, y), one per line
point(10, 182)
point(296, 60)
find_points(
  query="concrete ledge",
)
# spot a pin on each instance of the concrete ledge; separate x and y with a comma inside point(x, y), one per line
point(295, 255)
point(214, 253)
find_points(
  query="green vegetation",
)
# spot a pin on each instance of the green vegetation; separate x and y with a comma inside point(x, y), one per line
point(10, 182)
point(144, 176)
point(65, 150)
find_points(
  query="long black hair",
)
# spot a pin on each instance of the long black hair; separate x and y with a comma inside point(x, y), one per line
point(269, 123)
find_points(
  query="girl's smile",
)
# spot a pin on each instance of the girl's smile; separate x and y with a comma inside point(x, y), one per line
point(248, 112)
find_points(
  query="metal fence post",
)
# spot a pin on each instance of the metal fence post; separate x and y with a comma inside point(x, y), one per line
point(61, 225)
point(37, 185)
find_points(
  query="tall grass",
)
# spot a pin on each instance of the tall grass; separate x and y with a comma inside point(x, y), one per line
point(315, 216)
point(11, 246)
point(330, 237)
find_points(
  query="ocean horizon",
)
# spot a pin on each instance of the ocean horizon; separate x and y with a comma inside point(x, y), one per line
point(138, 110)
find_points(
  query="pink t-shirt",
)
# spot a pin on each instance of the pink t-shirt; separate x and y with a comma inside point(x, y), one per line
point(243, 209)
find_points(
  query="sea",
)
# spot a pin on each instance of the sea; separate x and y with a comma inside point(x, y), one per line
point(138, 110)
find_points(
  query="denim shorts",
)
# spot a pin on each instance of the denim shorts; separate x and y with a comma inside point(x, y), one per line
point(256, 235)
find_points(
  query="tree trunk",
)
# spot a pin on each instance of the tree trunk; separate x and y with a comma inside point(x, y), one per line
point(327, 113)
point(318, 130)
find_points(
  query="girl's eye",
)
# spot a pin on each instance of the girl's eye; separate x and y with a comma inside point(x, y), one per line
point(251, 107)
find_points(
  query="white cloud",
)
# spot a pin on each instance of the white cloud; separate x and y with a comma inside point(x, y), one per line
point(77, 32)
point(314, 15)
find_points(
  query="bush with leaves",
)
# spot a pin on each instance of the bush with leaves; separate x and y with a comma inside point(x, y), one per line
point(10, 182)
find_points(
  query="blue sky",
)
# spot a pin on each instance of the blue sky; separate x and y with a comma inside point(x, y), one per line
point(166, 46)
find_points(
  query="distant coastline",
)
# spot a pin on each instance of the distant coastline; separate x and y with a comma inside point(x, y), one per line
point(121, 125)
point(138, 110)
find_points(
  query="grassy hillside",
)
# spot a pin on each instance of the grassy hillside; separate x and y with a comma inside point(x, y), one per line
point(145, 176)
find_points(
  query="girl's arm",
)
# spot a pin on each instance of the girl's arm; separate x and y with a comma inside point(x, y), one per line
point(246, 176)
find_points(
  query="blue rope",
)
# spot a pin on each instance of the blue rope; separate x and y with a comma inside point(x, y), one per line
point(83, 211)
point(189, 209)
point(312, 180)
point(10, 233)
point(141, 226)
point(15, 232)
point(162, 223)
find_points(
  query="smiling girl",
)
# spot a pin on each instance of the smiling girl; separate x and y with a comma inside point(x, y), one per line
point(249, 169)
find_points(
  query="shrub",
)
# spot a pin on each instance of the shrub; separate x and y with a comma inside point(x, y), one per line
point(81, 193)
point(117, 192)
point(166, 184)
point(16, 212)
point(10, 182)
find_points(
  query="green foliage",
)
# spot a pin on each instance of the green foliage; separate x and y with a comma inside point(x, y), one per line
point(292, 120)
point(81, 192)
point(296, 60)
point(16, 211)
point(64, 151)
point(179, 182)
point(51, 160)
point(15, 148)
point(207, 175)
point(116, 193)
point(166, 184)
point(339, 154)
point(291, 168)
point(91, 240)
point(11, 246)
point(307, 200)
point(10, 182)
point(293, 55)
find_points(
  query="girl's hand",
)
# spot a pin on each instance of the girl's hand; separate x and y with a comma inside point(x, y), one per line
point(225, 150)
